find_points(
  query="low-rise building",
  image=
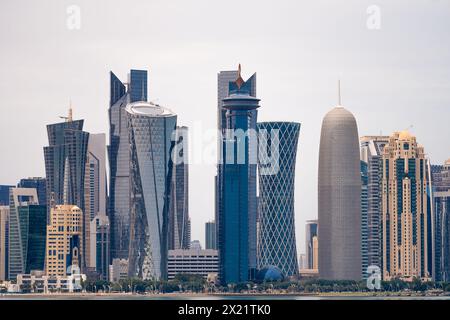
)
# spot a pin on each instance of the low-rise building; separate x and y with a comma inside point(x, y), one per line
point(192, 261)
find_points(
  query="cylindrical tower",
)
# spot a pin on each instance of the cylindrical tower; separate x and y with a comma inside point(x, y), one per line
point(339, 197)
point(150, 129)
point(277, 142)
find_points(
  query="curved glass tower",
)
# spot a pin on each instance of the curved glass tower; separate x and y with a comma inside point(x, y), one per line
point(339, 197)
point(121, 94)
point(276, 168)
point(150, 129)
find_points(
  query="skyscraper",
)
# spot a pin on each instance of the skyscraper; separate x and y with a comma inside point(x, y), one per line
point(65, 162)
point(179, 207)
point(38, 183)
point(4, 229)
point(406, 209)
point(277, 143)
point(210, 235)
point(151, 138)
point(121, 94)
point(441, 194)
point(224, 78)
point(100, 245)
point(64, 246)
point(95, 191)
point(371, 153)
point(236, 220)
point(27, 232)
point(339, 197)
point(312, 243)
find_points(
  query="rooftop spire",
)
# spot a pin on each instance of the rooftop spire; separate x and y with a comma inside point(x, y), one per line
point(239, 81)
point(339, 91)
point(69, 117)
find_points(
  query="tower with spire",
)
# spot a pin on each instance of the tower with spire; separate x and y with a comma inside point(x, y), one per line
point(237, 216)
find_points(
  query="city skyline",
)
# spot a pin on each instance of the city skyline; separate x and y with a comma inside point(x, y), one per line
point(297, 85)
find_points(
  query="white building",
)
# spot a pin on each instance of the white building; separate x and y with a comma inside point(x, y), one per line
point(192, 261)
point(118, 270)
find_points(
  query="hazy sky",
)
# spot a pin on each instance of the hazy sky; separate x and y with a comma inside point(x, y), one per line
point(392, 77)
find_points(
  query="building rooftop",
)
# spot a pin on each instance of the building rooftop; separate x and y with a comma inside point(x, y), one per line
point(150, 109)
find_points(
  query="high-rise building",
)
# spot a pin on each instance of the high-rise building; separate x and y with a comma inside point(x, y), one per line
point(179, 207)
point(151, 130)
point(371, 174)
point(121, 94)
point(100, 245)
point(441, 205)
point(339, 197)
point(224, 78)
point(4, 195)
point(236, 231)
point(406, 209)
point(64, 246)
point(277, 143)
point(210, 235)
point(312, 243)
point(4, 230)
point(95, 193)
point(38, 183)
point(27, 232)
point(65, 162)
point(192, 261)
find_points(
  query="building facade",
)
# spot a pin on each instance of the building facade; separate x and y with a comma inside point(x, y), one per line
point(100, 245)
point(179, 207)
point(64, 245)
point(65, 162)
point(4, 195)
point(339, 197)
point(27, 232)
point(4, 230)
point(210, 235)
point(121, 94)
point(193, 262)
point(312, 244)
point(236, 230)
point(95, 193)
point(151, 138)
point(38, 183)
point(371, 171)
point(441, 205)
point(406, 210)
point(277, 143)
point(224, 78)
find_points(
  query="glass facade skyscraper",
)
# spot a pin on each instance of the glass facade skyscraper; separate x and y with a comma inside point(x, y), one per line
point(236, 232)
point(179, 206)
point(224, 78)
point(151, 131)
point(441, 203)
point(119, 157)
point(277, 143)
point(27, 232)
point(65, 162)
point(371, 171)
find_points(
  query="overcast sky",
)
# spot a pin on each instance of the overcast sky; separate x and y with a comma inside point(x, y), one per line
point(392, 78)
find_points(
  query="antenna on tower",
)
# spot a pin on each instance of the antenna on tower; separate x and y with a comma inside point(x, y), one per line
point(339, 91)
